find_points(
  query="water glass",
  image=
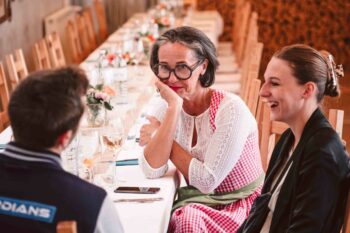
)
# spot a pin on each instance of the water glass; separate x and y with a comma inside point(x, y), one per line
point(104, 174)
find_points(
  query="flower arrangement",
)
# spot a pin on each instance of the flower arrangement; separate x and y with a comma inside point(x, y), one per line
point(100, 95)
point(113, 60)
point(98, 100)
point(162, 21)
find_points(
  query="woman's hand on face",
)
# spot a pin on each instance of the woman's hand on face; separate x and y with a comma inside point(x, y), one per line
point(147, 130)
point(170, 96)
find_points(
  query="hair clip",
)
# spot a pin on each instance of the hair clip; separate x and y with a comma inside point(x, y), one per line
point(333, 70)
point(339, 71)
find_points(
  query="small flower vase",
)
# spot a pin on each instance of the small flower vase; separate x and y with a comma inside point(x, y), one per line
point(96, 115)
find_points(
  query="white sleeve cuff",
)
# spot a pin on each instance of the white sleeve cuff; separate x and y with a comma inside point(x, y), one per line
point(151, 172)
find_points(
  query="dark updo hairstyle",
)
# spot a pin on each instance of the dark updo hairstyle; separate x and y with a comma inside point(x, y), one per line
point(310, 65)
point(195, 40)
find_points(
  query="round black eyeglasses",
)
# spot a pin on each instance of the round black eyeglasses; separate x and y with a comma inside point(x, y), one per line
point(181, 71)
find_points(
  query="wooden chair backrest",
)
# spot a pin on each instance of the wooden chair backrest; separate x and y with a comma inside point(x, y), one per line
point(271, 129)
point(253, 95)
point(83, 35)
point(66, 227)
point(16, 67)
point(101, 19)
point(251, 65)
point(243, 31)
point(89, 23)
point(252, 40)
point(190, 3)
point(74, 42)
point(41, 55)
point(54, 47)
point(236, 23)
point(4, 95)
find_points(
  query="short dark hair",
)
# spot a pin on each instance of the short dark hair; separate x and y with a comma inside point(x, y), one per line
point(195, 40)
point(47, 104)
point(310, 65)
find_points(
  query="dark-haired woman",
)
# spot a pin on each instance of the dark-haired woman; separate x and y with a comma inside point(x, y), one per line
point(210, 136)
point(305, 187)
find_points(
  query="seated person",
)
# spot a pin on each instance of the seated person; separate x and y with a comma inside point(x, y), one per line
point(306, 187)
point(210, 136)
point(35, 192)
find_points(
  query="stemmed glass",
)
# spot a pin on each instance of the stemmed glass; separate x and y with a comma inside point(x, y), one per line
point(138, 51)
point(112, 138)
point(89, 146)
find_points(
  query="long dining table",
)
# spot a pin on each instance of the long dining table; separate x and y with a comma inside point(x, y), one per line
point(141, 212)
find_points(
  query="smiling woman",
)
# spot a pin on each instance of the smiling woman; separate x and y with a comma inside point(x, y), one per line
point(306, 183)
point(200, 130)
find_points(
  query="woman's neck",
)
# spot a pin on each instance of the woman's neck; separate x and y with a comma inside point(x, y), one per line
point(297, 126)
point(198, 103)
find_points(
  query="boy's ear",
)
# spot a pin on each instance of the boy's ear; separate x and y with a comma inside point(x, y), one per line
point(64, 139)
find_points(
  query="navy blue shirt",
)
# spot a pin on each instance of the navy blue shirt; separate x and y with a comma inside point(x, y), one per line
point(36, 193)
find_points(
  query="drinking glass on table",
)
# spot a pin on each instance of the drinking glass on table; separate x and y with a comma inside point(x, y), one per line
point(112, 138)
point(138, 51)
point(89, 146)
point(104, 174)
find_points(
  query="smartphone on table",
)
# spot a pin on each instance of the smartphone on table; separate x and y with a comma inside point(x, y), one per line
point(137, 190)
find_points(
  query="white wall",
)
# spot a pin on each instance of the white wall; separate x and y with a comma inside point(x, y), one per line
point(26, 26)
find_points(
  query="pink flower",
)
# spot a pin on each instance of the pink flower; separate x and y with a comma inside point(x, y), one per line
point(165, 21)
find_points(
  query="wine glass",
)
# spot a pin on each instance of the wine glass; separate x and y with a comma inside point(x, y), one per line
point(104, 174)
point(88, 148)
point(138, 51)
point(112, 137)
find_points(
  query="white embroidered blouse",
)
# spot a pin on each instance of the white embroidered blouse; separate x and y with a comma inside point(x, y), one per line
point(215, 153)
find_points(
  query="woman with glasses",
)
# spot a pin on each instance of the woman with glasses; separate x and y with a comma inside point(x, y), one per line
point(209, 135)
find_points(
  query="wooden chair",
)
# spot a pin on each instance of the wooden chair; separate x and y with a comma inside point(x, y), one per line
point(242, 33)
point(55, 50)
point(74, 42)
point(89, 23)
point(17, 67)
point(101, 19)
point(253, 95)
point(250, 71)
point(66, 227)
point(189, 3)
point(83, 35)
point(236, 23)
point(251, 50)
point(41, 55)
point(271, 129)
point(335, 118)
point(4, 95)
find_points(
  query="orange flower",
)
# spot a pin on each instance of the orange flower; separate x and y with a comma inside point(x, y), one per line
point(126, 56)
point(110, 57)
point(151, 38)
point(109, 91)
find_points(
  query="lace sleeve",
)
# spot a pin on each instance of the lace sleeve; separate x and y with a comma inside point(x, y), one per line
point(157, 108)
point(150, 172)
point(234, 123)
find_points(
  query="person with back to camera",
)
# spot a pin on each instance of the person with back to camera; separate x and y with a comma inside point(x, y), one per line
point(209, 135)
point(35, 192)
point(306, 183)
